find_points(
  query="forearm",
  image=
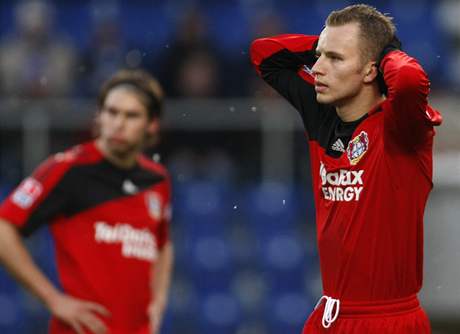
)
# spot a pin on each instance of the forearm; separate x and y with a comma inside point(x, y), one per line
point(162, 272)
point(18, 262)
point(405, 78)
point(298, 50)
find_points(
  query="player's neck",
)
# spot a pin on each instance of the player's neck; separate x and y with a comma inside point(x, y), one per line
point(125, 161)
point(359, 105)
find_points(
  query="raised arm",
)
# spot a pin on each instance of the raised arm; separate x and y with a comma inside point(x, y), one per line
point(284, 62)
point(409, 114)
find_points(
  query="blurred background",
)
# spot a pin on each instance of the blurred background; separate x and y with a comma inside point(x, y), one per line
point(243, 209)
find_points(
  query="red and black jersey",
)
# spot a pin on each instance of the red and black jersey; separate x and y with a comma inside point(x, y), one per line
point(371, 177)
point(108, 225)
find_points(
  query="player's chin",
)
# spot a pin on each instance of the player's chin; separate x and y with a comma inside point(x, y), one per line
point(324, 98)
point(120, 148)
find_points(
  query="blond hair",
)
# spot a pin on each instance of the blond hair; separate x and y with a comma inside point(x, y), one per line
point(376, 28)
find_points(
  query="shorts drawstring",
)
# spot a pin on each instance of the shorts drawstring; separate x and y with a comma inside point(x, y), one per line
point(331, 305)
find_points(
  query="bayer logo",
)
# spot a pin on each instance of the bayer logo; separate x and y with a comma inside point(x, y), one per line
point(323, 173)
point(358, 147)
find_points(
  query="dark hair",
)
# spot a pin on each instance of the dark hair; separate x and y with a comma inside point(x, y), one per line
point(376, 29)
point(140, 81)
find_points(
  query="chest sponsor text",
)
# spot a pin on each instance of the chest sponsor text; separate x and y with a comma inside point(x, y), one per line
point(135, 243)
point(342, 185)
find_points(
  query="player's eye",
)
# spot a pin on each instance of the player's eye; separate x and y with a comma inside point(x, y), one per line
point(110, 111)
point(133, 114)
point(335, 57)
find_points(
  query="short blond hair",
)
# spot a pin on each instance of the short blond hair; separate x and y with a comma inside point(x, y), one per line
point(376, 29)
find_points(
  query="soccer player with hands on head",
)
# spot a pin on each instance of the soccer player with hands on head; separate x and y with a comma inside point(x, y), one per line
point(108, 209)
point(370, 129)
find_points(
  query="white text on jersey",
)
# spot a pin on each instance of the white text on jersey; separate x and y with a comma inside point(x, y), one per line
point(135, 243)
point(342, 185)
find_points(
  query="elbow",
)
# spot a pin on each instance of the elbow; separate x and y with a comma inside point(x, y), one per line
point(255, 51)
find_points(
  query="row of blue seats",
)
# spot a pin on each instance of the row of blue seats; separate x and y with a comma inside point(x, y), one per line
point(152, 25)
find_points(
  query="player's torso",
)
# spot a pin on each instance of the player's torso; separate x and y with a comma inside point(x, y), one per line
point(358, 199)
point(107, 240)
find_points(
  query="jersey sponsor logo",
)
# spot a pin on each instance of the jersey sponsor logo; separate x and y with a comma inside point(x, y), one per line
point(27, 193)
point(135, 243)
point(357, 147)
point(338, 146)
point(341, 186)
point(153, 203)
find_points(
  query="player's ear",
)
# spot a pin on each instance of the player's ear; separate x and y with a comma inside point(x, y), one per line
point(152, 134)
point(153, 126)
point(370, 72)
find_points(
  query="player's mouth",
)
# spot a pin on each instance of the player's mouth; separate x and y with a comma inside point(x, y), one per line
point(117, 140)
point(320, 87)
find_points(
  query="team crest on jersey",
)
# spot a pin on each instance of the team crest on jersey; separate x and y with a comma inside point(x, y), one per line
point(153, 205)
point(357, 147)
point(27, 192)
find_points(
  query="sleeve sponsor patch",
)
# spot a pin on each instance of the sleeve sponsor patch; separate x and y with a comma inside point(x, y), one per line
point(153, 205)
point(27, 193)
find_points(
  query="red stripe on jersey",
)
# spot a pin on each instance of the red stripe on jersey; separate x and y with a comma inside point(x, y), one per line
point(263, 48)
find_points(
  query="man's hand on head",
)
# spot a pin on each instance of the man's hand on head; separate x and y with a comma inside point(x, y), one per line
point(395, 44)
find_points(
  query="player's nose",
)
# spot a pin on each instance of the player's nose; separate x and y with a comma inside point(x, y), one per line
point(118, 122)
point(318, 68)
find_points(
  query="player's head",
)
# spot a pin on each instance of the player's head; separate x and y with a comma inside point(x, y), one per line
point(348, 49)
point(130, 105)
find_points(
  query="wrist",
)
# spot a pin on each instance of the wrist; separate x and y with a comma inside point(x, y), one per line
point(394, 45)
point(51, 298)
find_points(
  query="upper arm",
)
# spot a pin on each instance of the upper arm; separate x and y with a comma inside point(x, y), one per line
point(38, 198)
point(283, 62)
point(408, 115)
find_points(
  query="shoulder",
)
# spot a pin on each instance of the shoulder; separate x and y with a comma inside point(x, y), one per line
point(85, 153)
point(153, 167)
point(61, 162)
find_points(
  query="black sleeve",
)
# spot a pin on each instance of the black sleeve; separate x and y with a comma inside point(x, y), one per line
point(284, 63)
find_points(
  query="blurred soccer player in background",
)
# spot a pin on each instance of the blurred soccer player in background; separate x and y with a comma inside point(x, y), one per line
point(108, 207)
point(364, 105)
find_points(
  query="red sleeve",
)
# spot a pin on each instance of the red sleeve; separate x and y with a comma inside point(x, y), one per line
point(37, 199)
point(408, 112)
point(163, 235)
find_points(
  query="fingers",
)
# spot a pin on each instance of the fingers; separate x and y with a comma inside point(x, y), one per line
point(98, 308)
point(93, 323)
point(81, 315)
point(76, 327)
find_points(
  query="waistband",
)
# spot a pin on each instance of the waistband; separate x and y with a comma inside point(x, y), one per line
point(379, 308)
point(364, 309)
